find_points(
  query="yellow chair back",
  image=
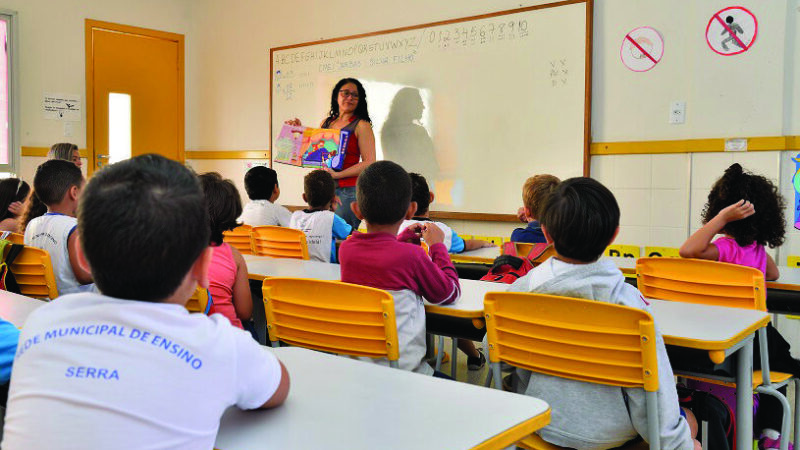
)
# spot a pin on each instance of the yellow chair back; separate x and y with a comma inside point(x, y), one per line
point(702, 281)
point(239, 238)
point(279, 242)
point(793, 261)
point(14, 238)
point(33, 272)
point(199, 301)
point(572, 338)
point(331, 316)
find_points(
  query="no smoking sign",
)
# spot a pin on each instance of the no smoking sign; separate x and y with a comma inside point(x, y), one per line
point(731, 31)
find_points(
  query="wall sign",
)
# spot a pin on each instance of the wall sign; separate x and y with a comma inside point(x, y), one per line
point(642, 49)
point(731, 31)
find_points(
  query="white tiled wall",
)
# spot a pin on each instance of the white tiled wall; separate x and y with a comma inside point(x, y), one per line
point(653, 195)
point(661, 196)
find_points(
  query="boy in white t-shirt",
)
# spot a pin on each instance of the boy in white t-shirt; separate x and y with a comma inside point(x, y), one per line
point(261, 184)
point(131, 367)
point(58, 185)
point(321, 226)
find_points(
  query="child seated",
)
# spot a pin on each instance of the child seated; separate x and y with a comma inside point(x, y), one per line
point(130, 366)
point(749, 211)
point(57, 184)
point(534, 193)
point(381, 259)
point(423, 196)
point(321, 226)
point(227, 276)
point(592, 416)
point(261, 184)
point(13, 195)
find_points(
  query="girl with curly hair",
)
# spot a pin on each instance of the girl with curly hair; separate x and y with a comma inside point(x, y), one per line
point(749, 211)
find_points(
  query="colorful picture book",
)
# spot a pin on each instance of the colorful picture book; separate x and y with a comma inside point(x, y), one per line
point(311, 147)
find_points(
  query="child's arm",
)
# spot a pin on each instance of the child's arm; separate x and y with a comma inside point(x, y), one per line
point(473, 244)
point(340, 229)
point(81, 275)
point(772, 269)
point(437, 280)
point(699, 244)
point(242, 299)
point(281, 393)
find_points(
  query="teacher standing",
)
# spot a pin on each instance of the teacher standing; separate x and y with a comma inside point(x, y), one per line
point(349, 112)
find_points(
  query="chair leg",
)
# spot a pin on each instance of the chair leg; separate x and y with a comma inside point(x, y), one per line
point(704, 439)
point(498, 376)
point(786, 412)
point(275, 344)
point(488, 382)
point(797, 413)
point(454, 358)
point(440, 353)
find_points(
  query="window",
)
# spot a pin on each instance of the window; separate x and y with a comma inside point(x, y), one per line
point(9, 153)
point(119, 127)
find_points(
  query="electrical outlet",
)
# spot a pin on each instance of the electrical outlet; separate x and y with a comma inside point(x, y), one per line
point(677, 112)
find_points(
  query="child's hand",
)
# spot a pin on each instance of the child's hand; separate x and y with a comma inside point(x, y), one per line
point(737, 211)
point(432, 234)
point(521, 215)
point(16, 208)
point(335, 204)
point(294, 122)
point(485, 244)
point(411, 234)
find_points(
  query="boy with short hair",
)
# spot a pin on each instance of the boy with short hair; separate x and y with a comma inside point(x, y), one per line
point(534, 194)
point(131, 366)
point(58, 184)
point(321, 226)
point(381, 259)
point(261, 184)
point(581, 219)
point(423, 196)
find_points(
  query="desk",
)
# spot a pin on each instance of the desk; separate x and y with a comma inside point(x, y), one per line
point(731, 331)
point(480, 255)
point(340, 403)
point(16, 308)
point(260, 267)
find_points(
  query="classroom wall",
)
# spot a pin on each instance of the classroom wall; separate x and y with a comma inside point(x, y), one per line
point(51, 56)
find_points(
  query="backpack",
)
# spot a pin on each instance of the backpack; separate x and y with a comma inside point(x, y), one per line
point(507, 269)
point(7, 280)
point(709, 408)
point(509, 266)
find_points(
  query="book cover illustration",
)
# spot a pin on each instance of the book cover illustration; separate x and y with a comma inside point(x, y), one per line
point(287, 145)
point(322, 147)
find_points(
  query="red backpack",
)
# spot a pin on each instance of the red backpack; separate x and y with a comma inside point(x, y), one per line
point(509, 266)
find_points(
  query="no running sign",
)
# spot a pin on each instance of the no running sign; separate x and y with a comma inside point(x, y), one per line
point(731, 31)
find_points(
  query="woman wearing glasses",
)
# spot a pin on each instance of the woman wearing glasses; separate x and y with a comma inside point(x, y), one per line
point(349, 112)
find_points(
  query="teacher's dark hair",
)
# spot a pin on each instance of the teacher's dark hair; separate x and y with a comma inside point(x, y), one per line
point(361, 109)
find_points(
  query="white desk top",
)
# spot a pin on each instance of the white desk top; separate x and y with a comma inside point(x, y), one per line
point(264, 266)
point(15, 308)
point(470, 305)
point(340, 403)
point(705, 327)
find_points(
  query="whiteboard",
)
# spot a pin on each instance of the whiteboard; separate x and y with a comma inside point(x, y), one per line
point(477, 105)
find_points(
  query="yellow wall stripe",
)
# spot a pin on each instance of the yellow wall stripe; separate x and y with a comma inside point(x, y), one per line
point(760, 143)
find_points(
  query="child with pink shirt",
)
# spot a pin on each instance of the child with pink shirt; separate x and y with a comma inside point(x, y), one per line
point(749, 211)
point(228, 285)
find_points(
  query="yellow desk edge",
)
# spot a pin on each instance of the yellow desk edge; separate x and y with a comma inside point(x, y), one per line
point(515, 433)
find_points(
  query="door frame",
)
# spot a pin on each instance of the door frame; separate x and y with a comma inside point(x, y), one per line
point(91, 24)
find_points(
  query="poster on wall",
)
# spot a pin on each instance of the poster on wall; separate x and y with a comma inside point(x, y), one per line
point(796, 184)
point(65, 107)
point(732, 31)
point(642, 49)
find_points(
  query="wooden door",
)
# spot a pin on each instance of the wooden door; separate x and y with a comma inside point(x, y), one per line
point(146, 67)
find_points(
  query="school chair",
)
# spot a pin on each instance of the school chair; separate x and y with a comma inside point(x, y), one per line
point(536, 253)
point(793, 261)
point(14, 238)
point(664, 252)
point(200, 301)
point(577, 339)
point(279, 242)
point(331, 316)
point(721, 284)
point(33, 272)
point(239, 238)
point(623, 251)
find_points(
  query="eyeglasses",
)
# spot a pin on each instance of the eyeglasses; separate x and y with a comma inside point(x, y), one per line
point(345, 94)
